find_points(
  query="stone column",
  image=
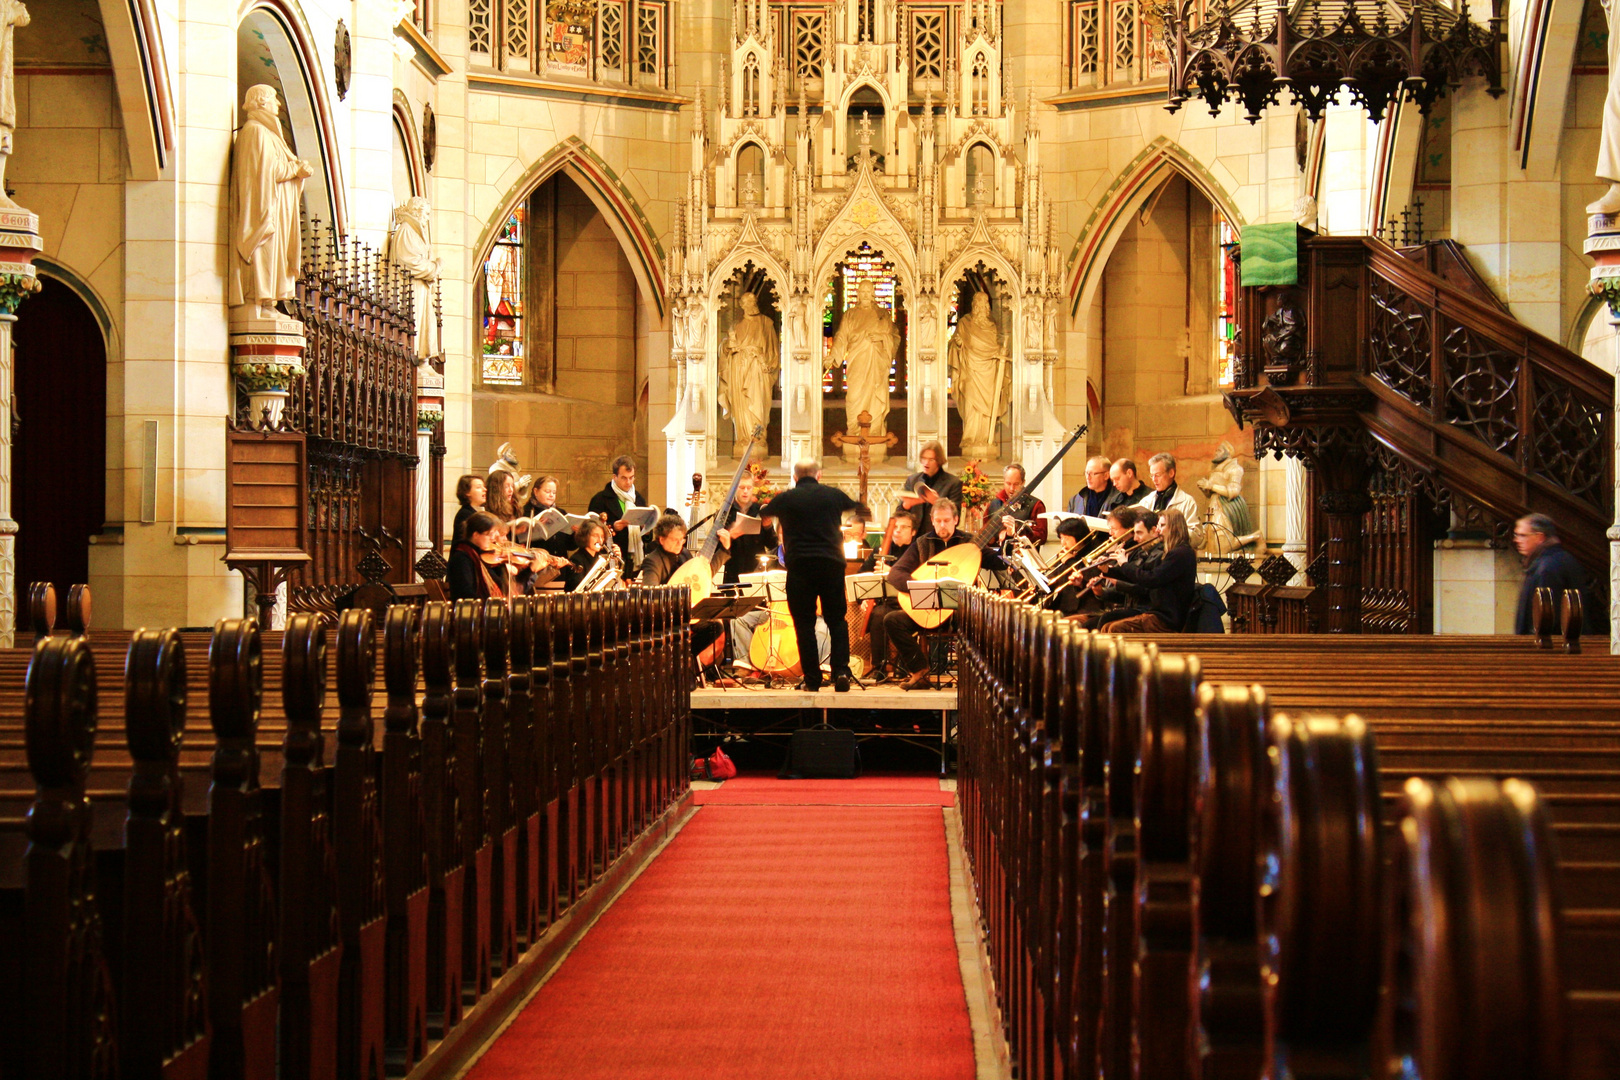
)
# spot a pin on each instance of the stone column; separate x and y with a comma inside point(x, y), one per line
point(1294, 494)
point(429, 414)
point(19, 241)
point(1603, 244)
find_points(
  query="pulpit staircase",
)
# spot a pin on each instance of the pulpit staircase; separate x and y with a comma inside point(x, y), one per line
point(1390, 369)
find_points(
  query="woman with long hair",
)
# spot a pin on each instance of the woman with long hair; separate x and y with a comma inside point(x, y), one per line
point(470, 494)
point(1170, 582)
point(543, 497)
point(475, 573)
point(501, 495)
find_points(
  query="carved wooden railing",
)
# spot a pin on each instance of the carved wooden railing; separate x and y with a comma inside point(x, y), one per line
point(356, 403)
point(1373, 362)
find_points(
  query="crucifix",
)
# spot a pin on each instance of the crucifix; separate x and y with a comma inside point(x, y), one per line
point(865, 441)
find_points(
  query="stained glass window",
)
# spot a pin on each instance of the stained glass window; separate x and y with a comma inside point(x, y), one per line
point(1225, 312)
point(503, 304)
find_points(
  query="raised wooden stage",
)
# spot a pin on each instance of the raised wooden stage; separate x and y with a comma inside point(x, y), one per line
point(777, 713)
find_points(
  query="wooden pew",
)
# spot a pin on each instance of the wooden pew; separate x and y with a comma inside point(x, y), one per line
point(333, 940)
point(1178, 910)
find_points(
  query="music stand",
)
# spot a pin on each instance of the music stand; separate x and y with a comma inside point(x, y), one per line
point(862, 587)
point(943, 594)
point(724, 609)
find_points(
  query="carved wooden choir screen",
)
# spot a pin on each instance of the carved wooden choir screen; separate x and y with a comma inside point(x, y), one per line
point(356, 406)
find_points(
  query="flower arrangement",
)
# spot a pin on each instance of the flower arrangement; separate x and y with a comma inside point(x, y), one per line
point(977, 487)
point(765, 489)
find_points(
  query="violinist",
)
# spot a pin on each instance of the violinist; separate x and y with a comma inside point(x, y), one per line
point(477, 571)
point(901, 534)
point(1171, 582)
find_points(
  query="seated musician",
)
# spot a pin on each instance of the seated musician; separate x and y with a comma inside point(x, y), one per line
point(667, 555)
point(1067, 599)
point(1109, 598)
point(902, 534)
point(591, 540)
point(1089, 593)
point(1171, 582)
point(898, 625)
point(476, 571)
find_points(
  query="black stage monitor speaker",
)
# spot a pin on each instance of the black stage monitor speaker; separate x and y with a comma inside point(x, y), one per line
point(822, 752)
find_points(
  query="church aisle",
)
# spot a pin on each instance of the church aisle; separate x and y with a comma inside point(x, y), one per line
point(767, 941)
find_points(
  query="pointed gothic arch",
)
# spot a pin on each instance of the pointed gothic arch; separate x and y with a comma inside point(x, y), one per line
point(615, 202)
point(1134, 185)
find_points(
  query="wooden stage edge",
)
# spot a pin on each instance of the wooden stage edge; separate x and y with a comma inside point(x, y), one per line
point(877, 697)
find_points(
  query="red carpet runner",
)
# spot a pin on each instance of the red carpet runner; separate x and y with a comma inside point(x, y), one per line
point(765, 943)
point(868, 791)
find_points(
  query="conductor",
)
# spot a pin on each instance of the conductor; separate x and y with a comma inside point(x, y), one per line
point(811, 515)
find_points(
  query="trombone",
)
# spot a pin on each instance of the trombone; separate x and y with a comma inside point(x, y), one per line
point(1057, 575)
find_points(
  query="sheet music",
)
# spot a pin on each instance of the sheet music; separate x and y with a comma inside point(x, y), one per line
point(750, 526)
point(640, 517)
point(551, 522)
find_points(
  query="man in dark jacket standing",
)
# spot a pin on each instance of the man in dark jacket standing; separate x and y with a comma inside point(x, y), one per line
point(812, 515)
point(928, 486)
point(612, 501)
point(1548, 565)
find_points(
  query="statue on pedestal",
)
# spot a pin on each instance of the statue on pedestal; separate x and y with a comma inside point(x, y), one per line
point(1608, 162)
point(750, 360)
point(266, 184)
point(13, 14)
point(980, 371)
point(865, 344)
point(411, 248)
point(1228, 507)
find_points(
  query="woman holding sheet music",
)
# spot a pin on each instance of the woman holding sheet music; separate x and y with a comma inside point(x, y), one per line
point(543, 498)
point(749, 540)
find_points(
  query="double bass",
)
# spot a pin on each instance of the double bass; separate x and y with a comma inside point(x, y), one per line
point(697, 573)
point(961, 563)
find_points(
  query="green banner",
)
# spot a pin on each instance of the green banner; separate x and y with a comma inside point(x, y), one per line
point(1270, 254)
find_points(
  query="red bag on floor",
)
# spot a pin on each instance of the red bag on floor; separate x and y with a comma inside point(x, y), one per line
point(721, 767)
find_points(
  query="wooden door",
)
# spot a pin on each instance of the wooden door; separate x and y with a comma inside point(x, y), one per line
point(59, 455)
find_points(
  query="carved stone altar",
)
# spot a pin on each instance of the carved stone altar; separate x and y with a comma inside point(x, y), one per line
point(881, 191)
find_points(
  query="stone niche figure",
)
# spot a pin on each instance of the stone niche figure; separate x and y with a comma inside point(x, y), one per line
point(865, 344)
point(12, 15)
point(1608, 162)
point(266, 184)
point(1224, 486)
point(410, 247)
point(980, 376)
point(750, 360)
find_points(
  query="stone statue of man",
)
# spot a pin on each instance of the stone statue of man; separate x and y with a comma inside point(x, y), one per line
point(410, 246)
point(980, 377)
point(1224, 486)
point(865, 344)
point(750, 360)
point(1608, 162)
point(13, 14)
point(266, 184)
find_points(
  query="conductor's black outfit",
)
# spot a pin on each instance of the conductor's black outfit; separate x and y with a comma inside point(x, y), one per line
point(813, 550)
